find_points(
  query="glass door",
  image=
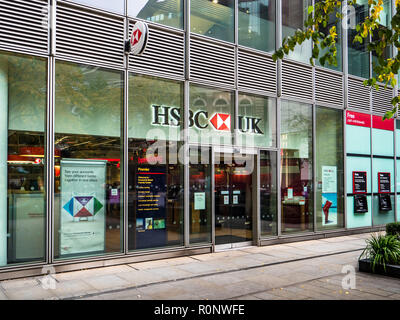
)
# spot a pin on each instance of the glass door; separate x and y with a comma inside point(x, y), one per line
point(233, 198)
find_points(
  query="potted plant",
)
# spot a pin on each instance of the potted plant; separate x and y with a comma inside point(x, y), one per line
point(382, 255)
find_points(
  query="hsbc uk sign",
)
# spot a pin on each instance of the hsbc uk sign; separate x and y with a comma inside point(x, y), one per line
point(139, 39)
point(171, 117)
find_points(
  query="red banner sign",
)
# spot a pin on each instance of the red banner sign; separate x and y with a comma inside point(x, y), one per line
point(358, 119)
point(378, 123)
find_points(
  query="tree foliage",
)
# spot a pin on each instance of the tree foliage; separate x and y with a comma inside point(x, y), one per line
point(368, 31)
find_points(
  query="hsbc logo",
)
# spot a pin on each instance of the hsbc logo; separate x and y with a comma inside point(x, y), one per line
point(171, 117)
point(221, 122)
point(139, 38)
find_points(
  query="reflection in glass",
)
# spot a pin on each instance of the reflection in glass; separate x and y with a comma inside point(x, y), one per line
point(257, 24)
point(212, 115)
point(329, 162)
point(214, 19)
point(325, 30)
point(294, 13)
point(155, 108)
point(358, 53)
point(268, 193)
point(383, 25)
point(23, 100)
point(256, 121)
point(88, 181)
point(296, 167)
point(117, 6)
point(200, 195)
point(155, 195)
point(167, 12)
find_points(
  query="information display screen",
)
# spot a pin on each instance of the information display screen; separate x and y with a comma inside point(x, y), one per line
point(151, 206)
point(360, 204)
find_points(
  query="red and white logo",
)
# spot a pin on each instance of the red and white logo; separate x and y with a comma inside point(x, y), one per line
point(139, 38)
point(221, 122)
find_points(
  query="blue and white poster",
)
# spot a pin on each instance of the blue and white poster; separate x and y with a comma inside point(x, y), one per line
point(82, 206)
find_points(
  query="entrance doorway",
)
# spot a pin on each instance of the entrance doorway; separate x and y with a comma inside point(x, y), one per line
point(234, 178)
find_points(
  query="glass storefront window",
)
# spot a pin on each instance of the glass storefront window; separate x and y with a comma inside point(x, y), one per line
point(256, 121)
point(268, 193)
point(166, 12)
point(155, 170)
point(23, 101)
point(215, 19)
point(384, 25)
point(211, 116)
point(358, 55)
point(329, 164)
point(294, 13)
point(257, 24)
point(88, 203)
point(296, 167)
point(325, 30)
point(200, 195)
point(117, 6)
point(155, 108)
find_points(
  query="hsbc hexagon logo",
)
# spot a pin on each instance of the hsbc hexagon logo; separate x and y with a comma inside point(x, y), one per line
point(139, 39)
point(221, 122)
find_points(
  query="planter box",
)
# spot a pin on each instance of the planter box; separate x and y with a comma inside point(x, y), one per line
point(391, 270)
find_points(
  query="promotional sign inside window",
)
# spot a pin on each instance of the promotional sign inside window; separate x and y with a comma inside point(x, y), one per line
point(384, 182)
point(329, 195)
point(359, 182)
point(360, 203)
point(82, 206)
point(151, 206)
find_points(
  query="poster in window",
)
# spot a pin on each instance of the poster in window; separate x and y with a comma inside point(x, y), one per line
point(82, 206)
point(384, 182)
point(151, 206)
point(359, 182)
point(385, 202)
point(329, 196)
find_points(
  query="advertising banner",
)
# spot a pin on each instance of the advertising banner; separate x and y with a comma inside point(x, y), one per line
point(329, 196)
point(151, 208)
point(83, 200)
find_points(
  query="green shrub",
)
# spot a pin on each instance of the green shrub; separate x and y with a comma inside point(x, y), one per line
point(393, 229)
point(382, 250)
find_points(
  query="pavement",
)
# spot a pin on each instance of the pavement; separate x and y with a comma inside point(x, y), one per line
point(308, 270)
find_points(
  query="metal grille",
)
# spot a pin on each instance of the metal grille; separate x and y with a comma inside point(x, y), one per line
point(329, 88)
point(382, 100)
point(89, 36)
point(212, 62)
point(24, 24)
point(359, 96)
point(164, 55)
point(297, 80)
point(257, 72)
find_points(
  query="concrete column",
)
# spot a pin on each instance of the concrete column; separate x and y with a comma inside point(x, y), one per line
point(3, 158)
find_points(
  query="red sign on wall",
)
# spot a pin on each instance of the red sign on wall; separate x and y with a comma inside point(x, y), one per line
point(358, 119)
point(378, 123)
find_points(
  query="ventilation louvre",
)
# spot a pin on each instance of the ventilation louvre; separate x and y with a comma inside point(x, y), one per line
point(297, 80)
point(89, 36)
point(24, 25)
point(212, 62)
point(359, 96)
point(329, 88)
point(382, 100)
point(257, 72)
point(164, 55)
